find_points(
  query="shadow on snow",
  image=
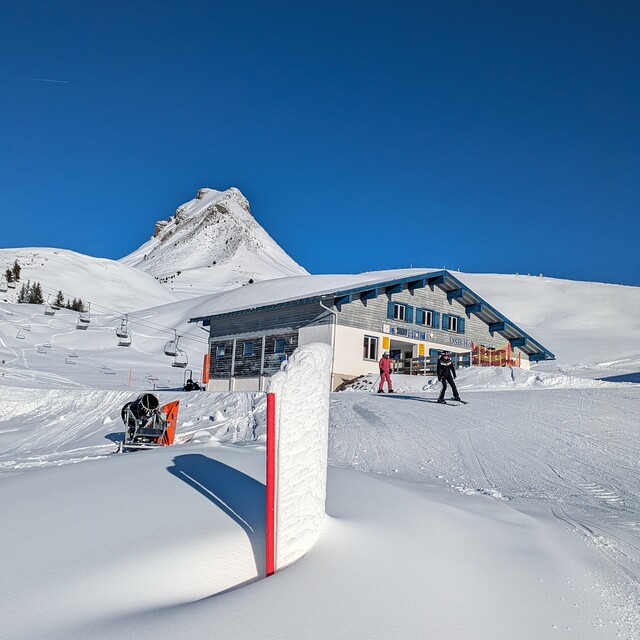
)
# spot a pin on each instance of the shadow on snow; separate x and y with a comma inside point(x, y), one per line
point(236, 494)
point(623, 377)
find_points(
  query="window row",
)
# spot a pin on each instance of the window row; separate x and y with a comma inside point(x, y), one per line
point(248, 348)
point(424, 317)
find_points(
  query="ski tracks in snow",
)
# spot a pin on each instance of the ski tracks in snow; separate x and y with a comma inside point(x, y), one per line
point(571, 453)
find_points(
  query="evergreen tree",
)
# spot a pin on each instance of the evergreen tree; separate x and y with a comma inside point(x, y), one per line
point(36, 296)
point(16, 270)
point(59, 301)
point(23, 296)
point(8, 274)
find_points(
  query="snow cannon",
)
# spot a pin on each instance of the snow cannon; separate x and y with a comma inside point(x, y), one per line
point(148, 425)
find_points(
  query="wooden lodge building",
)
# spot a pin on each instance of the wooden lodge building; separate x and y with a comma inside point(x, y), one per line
point(412, 314)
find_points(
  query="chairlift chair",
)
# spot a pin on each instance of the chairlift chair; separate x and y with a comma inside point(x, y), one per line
point(122, 331)
point(85, 316)
point(3, 284)
point(50, 308)
point(171, 347)
point(124, 340)
point(180, 359)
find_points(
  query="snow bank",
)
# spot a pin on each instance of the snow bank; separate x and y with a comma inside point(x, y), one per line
point(302, 427)
point(504, 379)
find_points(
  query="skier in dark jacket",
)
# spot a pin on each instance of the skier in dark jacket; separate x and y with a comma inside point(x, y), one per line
point(446, 373)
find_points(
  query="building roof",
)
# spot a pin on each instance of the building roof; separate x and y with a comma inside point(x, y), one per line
point(343, 289)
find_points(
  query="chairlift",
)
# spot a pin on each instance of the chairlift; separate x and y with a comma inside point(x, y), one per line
point(180, 359)
point(3, 284)
point(85, 316)
point(11, 285)
point(124, 340)
point(42, 350)
point(20, 335)
point(27, 327)
point(82, 324)
point(124, 337)
point(50, 308)
point(122, 331)
point(47, 345)
point(171, 347)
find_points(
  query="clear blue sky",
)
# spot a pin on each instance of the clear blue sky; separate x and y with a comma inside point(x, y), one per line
point(488, 136)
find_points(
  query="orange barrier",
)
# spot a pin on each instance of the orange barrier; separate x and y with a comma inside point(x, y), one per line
point(205, 368)
point(171, 410)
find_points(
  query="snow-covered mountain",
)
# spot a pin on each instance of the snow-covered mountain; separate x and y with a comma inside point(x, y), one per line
point(99, 282)
point(212, 244)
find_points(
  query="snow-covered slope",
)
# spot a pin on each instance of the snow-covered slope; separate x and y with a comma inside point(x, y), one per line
point(212, 244)
point(515, 516)
point(581, 322)
point(98, 281)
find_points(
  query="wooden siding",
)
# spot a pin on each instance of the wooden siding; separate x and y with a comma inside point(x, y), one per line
point(263, 322)
point(371, 315)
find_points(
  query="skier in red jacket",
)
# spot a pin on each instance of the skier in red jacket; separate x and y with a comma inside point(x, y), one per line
point(385, 373)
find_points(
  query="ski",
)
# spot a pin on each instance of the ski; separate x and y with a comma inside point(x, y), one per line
point(457, 400)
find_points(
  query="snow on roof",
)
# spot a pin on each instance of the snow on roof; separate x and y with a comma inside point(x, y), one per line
point(286, 290)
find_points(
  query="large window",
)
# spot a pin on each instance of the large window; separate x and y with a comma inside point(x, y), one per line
point(220, 351)
point(247, 349)
point(451, 324)
point(278, 346)
point(370, 348)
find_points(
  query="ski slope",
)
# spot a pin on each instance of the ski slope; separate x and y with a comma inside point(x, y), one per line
point(515, 516)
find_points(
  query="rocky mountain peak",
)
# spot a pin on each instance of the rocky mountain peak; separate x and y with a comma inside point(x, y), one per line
point(215, 232)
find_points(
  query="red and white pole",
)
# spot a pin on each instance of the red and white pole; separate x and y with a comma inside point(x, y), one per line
point(271, 486)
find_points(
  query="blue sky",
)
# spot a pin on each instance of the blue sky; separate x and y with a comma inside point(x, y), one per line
point(490, 137)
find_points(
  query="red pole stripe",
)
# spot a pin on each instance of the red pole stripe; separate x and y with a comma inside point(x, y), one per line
point(271, 485)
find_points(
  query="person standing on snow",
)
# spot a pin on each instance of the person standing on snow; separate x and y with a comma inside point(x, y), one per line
point(446, 373)
point(385, 373)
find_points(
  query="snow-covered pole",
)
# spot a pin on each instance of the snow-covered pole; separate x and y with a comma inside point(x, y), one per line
point(301, 410)
point(270, 555)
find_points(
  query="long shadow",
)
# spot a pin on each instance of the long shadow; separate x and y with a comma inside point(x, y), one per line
point(238, 495)
point(623, 377)
point(400, 396)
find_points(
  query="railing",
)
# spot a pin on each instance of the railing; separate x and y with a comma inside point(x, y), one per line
point(427, 365)
point(487, 357)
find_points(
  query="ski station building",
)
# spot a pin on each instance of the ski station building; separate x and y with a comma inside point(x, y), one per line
point(412, 314)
